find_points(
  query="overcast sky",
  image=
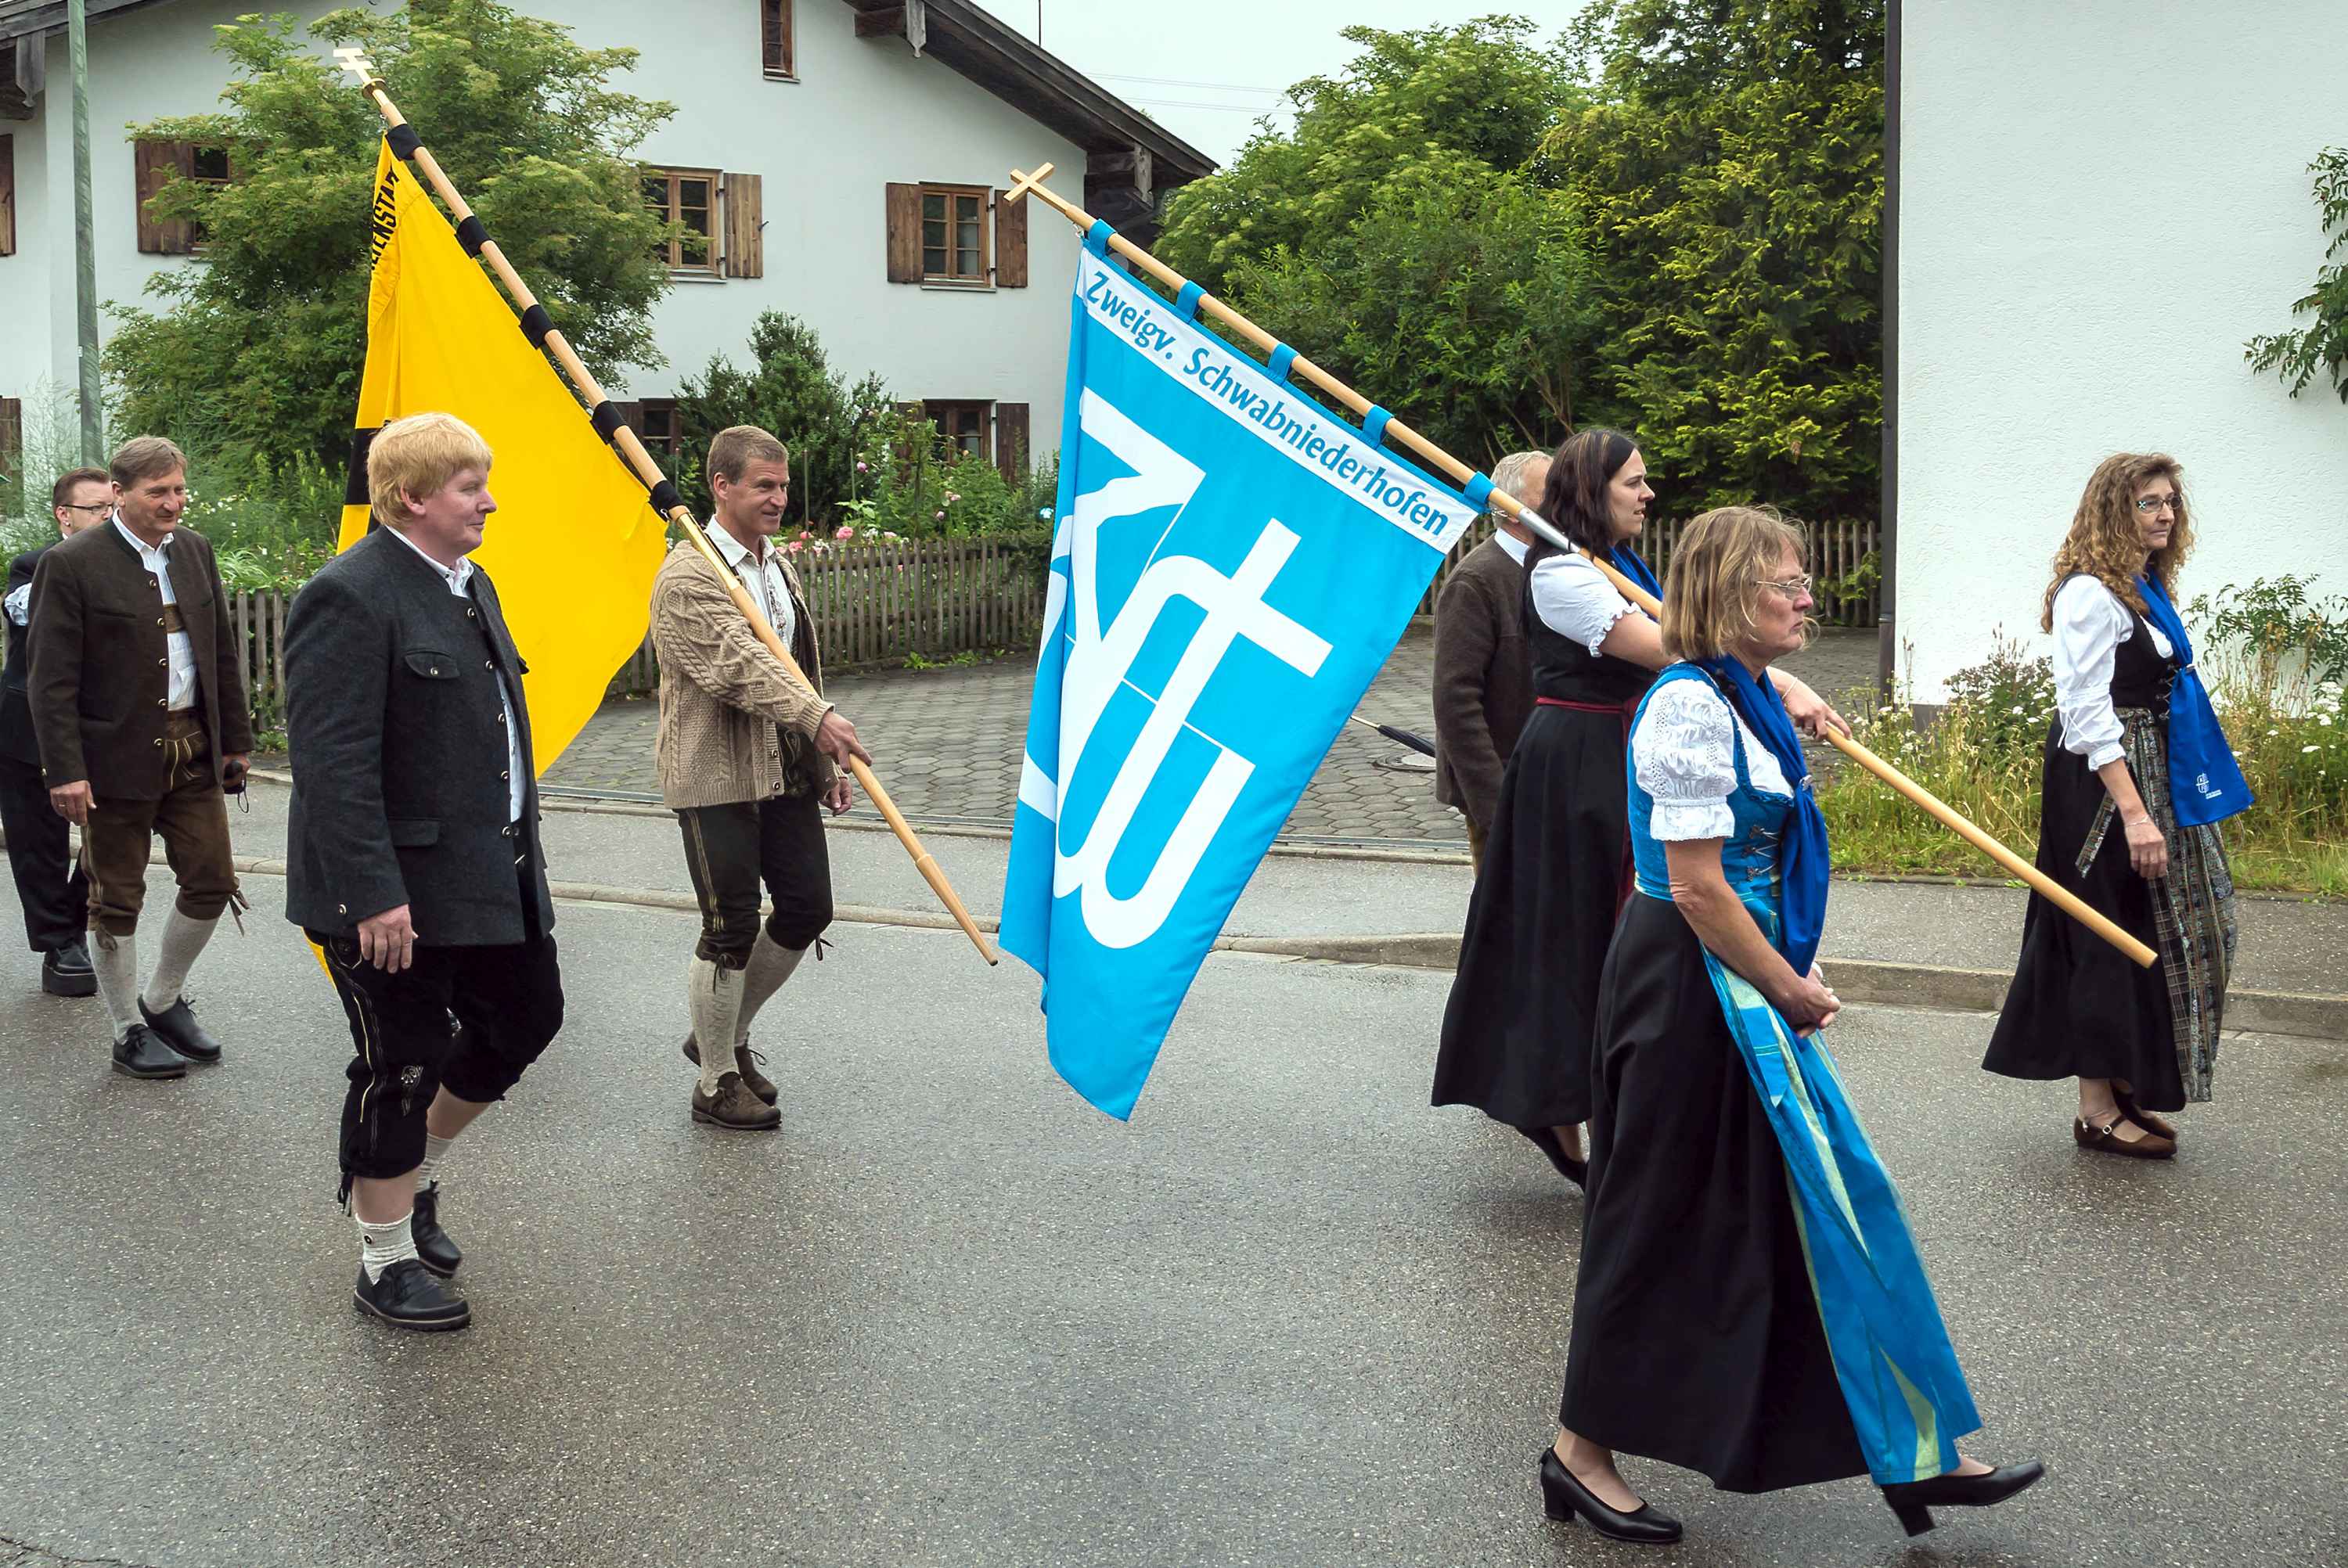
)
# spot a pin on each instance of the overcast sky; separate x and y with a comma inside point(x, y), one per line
point(1206, 69)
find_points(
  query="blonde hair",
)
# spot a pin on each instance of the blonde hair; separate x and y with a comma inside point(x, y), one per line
point(1717, 566)
point(145, 457)
point(1509, 478)
point(416, 456)
point(2105, 542)
point(737, 447)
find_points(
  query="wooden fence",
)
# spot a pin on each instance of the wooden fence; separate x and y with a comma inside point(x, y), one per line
point(873, 604)
point(1843, 552)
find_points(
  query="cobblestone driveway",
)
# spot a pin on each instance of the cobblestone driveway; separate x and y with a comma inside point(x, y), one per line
point(947, 743)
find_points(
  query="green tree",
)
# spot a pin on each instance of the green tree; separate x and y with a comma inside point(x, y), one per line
point(2323, 345)
point(1731, 173)
point(258, 351)
point(791, 390)
point(1395, 236)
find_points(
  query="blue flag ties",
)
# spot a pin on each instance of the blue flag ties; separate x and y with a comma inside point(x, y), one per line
point(1231, 566)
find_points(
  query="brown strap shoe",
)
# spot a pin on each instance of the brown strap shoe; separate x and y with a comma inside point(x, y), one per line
point(2144, 1119)
point(2104, 1139)
point(735, 1108)
point(747, 1061)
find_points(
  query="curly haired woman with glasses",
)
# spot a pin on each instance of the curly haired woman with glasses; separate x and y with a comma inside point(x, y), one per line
point(2138, 776)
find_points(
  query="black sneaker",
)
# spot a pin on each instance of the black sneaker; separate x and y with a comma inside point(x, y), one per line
point(407, 1297)
point(140, 1054)
point(178, 1029)
point(66, 972)
point(434, 1248)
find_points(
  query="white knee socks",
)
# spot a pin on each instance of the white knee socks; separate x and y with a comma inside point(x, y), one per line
point(381, 1246)
point(714, 998)
point(771, 964)
point(116, 963)
point(183, 938)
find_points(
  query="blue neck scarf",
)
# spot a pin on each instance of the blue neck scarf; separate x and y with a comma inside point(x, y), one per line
point(1626, 561)
point(2205, 784)
point(1803, 866)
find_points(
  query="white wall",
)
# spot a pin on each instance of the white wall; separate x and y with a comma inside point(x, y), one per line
point(863, 113)
point(2101, 203)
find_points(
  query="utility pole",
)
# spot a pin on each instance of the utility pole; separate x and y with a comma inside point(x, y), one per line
point(84, 250)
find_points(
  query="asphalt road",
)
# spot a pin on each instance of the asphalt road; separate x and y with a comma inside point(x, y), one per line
point(951, 1316)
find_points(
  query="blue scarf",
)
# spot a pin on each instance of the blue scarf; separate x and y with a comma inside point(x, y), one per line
point(1626, 561)
point(1803, 866)
point(2205, 782)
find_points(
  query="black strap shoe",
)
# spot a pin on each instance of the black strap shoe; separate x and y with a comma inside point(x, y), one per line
point(178, 1026)
point(66, 972)
point(407, 1297)
point(1563, 1496)
point(140, 1054)
point(1913, 1500)
point(434, 1248)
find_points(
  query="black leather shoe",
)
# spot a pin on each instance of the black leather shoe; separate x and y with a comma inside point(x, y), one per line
point(409, 1297)
point(66, 972)
point(1547, 1141)
point(178, 1028)
point(140, 1054)
point(1913, 1500)
point(1564, 1497)
point(434, 1248)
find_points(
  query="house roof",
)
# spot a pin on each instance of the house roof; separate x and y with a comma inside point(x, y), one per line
point(956, 33)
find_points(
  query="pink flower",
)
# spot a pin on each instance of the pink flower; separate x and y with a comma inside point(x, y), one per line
point(951, 498)
point(845, 532)
point(862, 469)
point(940, 516)
point(797, 546)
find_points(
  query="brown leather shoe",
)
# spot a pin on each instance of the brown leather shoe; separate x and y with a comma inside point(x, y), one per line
point(735, 1108)
point(2103, 1140)
point(2156, 1125)
point(745, 1062)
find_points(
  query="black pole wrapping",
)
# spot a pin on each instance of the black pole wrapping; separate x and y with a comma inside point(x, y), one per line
point(472, 234)
point(536, 324)
point(665, 499)
point(607, 418)
point(405, 142)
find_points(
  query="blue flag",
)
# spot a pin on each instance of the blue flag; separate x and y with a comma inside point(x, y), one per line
point(1231, 566)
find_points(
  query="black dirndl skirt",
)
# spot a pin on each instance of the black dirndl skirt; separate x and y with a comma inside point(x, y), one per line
point(2077, 1007)
point(1516, 1031)
point(1696, 1336)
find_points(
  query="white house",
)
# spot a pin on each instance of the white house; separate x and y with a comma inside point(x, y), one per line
point(2095, 206)
point(843, 157)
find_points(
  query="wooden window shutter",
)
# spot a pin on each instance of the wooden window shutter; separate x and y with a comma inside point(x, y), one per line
point(1010, 243)
point(746, 251)
point(155, 163)
point(1010, 441)
point(7, 195)
point(904, 210)
point(12, 434)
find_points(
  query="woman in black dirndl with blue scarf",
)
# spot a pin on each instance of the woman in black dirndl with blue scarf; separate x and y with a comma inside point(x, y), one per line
point(1516, 1031)
point(2137, 775)
point(1750, 1304)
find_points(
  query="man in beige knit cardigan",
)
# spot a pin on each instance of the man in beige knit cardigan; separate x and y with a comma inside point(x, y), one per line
point(747, 756)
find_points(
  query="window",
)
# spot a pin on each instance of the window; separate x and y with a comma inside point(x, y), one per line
point(954, 234)
point(208, 167)
point(157, 165)
point(775, 41)
point(656, 425)
point(687, 196)
point(962, 423)
point(7, 195)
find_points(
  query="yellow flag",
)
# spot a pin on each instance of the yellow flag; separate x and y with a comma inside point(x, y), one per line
point(574, 542)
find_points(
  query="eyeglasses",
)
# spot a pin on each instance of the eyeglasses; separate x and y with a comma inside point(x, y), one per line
point(1791, 587)
point(2148, 505)
point(100, 507)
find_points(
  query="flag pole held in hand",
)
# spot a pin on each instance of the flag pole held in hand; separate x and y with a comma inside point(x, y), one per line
point(605, 414)
point(1296, 367)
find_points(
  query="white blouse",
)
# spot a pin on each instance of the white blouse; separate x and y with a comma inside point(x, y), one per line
point(2090, 624)
point(1574, 600)
point(1684, 753)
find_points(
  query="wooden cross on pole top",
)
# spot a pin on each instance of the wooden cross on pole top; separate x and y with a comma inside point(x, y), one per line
point(354, 60)
point(1024, 183)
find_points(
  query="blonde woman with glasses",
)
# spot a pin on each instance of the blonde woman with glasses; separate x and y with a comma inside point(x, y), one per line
point(1750, 1305)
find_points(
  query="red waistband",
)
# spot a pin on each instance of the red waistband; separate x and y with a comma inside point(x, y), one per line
point(1620, 709)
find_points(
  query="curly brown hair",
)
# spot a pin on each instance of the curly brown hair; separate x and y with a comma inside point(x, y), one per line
point(2105, 543)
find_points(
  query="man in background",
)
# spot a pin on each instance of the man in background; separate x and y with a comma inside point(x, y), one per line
point(53, 891)
point(1483, 672)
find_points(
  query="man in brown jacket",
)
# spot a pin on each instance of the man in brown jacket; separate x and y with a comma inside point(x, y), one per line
point(138, 697)
point(747, 758)
point(1483, 672)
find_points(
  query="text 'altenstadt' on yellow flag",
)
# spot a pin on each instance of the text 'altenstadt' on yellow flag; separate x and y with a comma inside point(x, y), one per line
point(574, 542)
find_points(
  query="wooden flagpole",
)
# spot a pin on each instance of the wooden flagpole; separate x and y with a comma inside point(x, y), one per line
point(1459, 474)
point(633, 451)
